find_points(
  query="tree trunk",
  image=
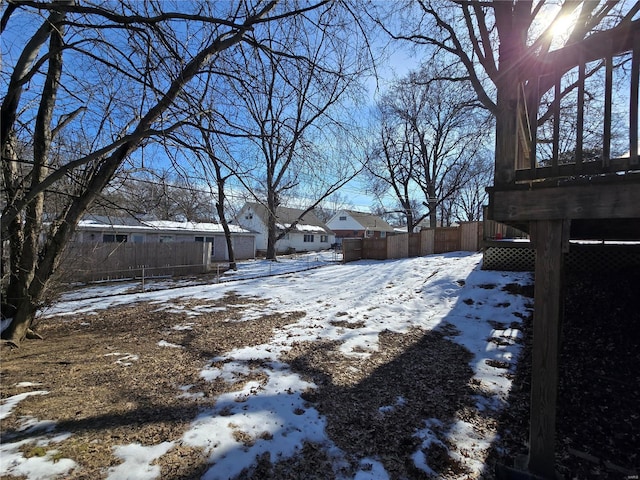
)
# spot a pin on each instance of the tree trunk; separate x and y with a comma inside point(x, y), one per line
point(227, 231)
point(408, 213)
point(272, 228)
point(509, 20)
point(433, 205)
point(13, 293)
point(272, 236)
point(27, 294)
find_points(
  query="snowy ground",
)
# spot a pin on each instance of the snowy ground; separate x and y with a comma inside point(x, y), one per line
point(433, 292)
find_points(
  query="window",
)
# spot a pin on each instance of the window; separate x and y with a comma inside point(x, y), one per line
point(343, 219)
point(308, 238)
point(210, 240)
point(205, 239)
point(324, 238)
point(111, 238)
point(138, 238)
point(166, 238)
point(383, 234)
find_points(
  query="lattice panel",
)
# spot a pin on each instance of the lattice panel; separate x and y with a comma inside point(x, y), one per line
point(602, 258)
point(591, 259)
point(509, 259)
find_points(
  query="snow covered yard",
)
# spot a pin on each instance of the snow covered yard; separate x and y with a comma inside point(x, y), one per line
point(369, 370)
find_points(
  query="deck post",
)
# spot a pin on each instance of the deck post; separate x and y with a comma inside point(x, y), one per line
point(550, 239)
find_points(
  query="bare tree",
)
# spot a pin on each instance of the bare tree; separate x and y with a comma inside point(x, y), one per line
point(109, 73)
point(332, 205)
point(430, 130)
point(391, 163)
point(470, 200)
point(292, 106)
point(158, 195)
point(501, 43)
point(200, 147)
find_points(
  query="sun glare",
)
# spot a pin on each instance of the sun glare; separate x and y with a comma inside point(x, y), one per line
point(557, 27)
point(562, 26)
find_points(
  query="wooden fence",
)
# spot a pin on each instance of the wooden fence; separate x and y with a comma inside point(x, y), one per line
point(465, 237)
point(87, 262)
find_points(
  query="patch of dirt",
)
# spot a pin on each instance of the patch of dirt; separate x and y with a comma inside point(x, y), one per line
point(346, 324)
point(373, 408)
point(598, 420)
point(111, 383)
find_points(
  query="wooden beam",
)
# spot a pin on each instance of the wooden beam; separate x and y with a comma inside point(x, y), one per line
point(572, 170)
point(634, 100)
point(548, 301)
point(556, 125)
point(608, 105)
point(611, 200)
point(595, 47)
point(580, 116)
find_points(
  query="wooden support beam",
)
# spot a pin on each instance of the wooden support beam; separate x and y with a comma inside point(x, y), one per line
point(549, 240)
point(614, 200)
point(556, 125)
point(608, 109)
point(580, 116)
point(634, 101)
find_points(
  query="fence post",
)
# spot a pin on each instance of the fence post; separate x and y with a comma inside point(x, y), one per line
point(142, 275)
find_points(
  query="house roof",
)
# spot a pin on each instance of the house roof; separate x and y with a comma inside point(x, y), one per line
point(370, 221)
point(285, 216)
point(131, 224)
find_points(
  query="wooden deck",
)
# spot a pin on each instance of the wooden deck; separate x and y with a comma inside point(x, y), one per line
point(597, 193)
point(586, 191)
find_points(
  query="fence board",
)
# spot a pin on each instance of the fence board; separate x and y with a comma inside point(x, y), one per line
point(470, 235)
point(351, 249)
point(415, 244)
point(398, 246)
point(427, 242)
point(447, 239)
point(100, 261)
point(374, 248)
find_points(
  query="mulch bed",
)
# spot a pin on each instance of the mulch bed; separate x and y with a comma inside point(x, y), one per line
point(598, 417)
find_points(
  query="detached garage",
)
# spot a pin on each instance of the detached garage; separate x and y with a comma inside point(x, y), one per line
point(119, 230)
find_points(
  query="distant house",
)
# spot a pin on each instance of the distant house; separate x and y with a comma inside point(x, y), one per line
point(101, 229)
point(352, 224)
point(309, 233)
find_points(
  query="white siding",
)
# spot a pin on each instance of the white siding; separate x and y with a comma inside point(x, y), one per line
point(349, 224)
point(251, 221)
point(296, 240)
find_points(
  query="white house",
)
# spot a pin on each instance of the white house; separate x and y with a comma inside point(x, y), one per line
point(308, 234)
point(100, 229)
point(353, 224)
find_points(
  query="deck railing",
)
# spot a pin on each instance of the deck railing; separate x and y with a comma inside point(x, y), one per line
point(568, 152)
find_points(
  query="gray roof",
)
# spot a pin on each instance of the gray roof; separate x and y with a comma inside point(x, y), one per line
point(370, 221)
point(130, 224)
point(285, 216)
